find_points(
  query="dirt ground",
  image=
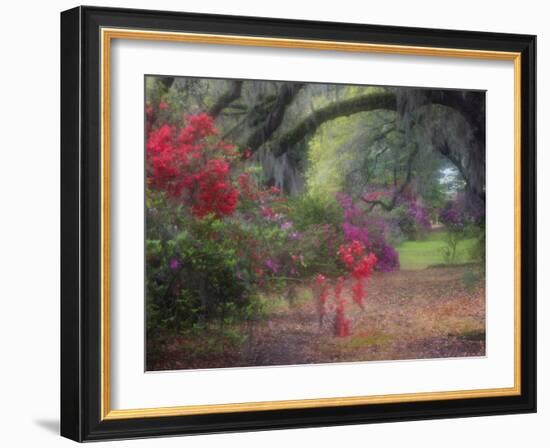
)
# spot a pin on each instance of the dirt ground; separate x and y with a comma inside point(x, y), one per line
point(433, 313)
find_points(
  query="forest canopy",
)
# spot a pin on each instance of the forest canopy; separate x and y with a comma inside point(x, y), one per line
point(281, 121)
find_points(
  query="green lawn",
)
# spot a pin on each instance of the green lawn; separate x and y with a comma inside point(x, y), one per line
point(414, 255)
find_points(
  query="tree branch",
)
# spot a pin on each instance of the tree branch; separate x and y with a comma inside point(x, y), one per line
point(471, 105)
point(233, 93)
point(286, 95)
point(309, 125)
point(398, 191)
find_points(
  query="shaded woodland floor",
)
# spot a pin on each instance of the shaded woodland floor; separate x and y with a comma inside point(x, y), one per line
point(431, 313)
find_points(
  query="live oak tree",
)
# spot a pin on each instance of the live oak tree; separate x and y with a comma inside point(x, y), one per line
point(277, 121)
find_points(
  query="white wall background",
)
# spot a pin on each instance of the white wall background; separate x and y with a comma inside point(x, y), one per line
point(29, 224)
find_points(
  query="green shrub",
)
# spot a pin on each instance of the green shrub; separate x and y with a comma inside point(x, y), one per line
point(309, 209)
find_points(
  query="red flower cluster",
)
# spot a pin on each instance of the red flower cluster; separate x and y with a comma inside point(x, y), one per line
point(358, 292)
point(353, 256)
point(321, 283)
point(268, 213)
point(343, 323)
point(375, 195)
point(190, 167)
point(252, 190)
point(321, 290)
point(214, 194)
point(247, 188)
point(364, 266)
point(348, 253)
point(360, 267)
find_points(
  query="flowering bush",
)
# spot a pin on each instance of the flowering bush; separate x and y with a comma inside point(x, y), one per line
point(214, 234)
point(371, 231)
point(462, 217)
point(412, 216)
point(419, 213)
point(388, 259)
point(192, 167)
point(462, 211)
point(194, 274)
point(321, 292)
point(359, 266)
point(342, 324)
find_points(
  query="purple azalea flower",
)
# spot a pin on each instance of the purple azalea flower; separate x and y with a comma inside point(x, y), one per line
point(461, 211)
point(356, 233)
point(419, 214)
point(271, 265)
point(286, 225)
point(371, 231)
point(174, 264)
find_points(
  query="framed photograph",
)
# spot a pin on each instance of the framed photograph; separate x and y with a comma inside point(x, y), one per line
point(273, 223)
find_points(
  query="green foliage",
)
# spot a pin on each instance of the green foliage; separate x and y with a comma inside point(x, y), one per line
point(452, 238)
point(325, 175)
point(474, 250)
point(195, 274)
point(367, 341)
point(415, 255)
point(154, 89)
point(477, 252)
point(312, 209)
point(317, 220)
point(318, 246)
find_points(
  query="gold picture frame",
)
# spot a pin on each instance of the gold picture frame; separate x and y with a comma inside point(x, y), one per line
point(108, 30)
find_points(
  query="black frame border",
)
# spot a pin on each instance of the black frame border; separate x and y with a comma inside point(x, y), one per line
point(81, 223)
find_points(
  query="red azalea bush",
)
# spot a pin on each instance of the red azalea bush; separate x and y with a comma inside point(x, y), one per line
point(192, 166)
point(359, 265)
